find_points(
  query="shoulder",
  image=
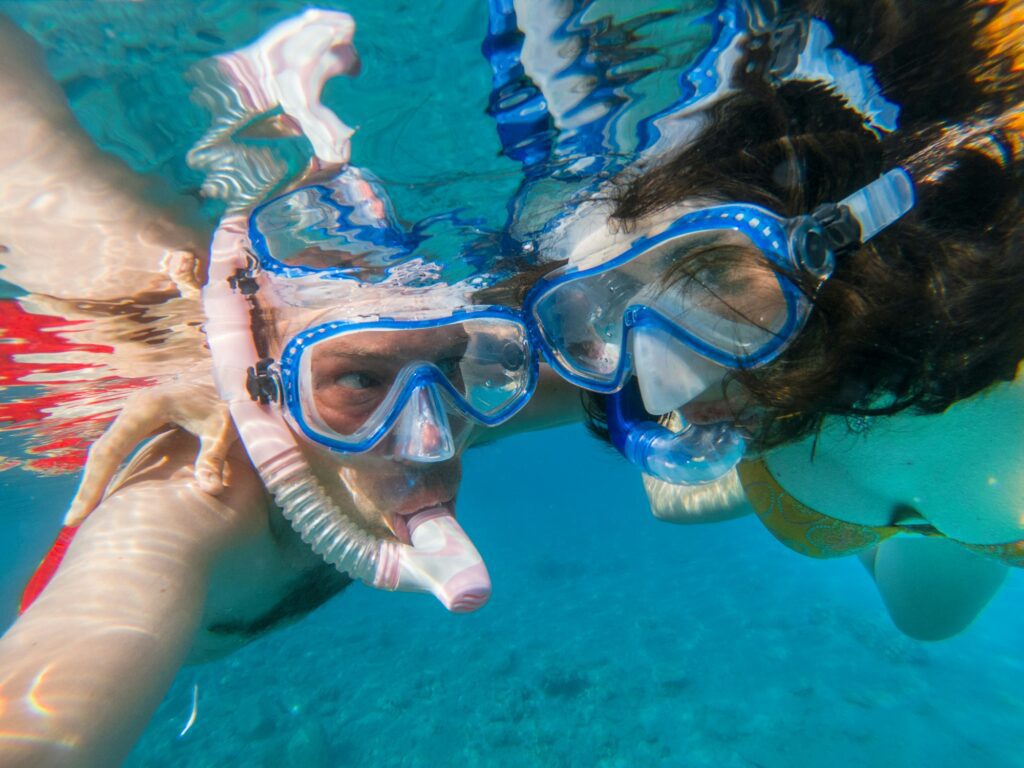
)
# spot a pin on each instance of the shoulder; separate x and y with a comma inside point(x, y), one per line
point(233, 554)
point(946, 466)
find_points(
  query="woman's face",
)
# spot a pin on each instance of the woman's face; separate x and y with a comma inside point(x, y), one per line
point(715, 286)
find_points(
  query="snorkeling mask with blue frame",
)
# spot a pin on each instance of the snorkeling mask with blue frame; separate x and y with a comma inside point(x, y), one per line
point(406, 389)
point(598, 325)
point(408, 384)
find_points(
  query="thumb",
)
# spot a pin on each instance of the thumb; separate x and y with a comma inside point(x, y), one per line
point(213, 451)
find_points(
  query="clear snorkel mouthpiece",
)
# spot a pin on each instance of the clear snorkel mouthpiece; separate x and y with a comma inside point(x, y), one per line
point(694, 455)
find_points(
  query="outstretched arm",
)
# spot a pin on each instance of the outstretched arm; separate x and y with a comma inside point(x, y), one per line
point(82, 670)
point(76, 223)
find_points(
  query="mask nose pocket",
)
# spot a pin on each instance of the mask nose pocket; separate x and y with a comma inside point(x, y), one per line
point(668, 372)
point(422, 433)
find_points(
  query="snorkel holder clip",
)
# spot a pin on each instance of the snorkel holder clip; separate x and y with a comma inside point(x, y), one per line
point(243, 279)
point(831, 230)
point(841, 228)
point(262, 383)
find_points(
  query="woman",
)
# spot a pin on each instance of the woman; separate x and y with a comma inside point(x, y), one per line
point(847, 376)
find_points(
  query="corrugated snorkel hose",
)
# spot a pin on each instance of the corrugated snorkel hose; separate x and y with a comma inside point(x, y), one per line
point(318, 521)
point(271, 445)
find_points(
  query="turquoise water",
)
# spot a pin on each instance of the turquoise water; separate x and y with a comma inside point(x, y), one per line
point(611, 639)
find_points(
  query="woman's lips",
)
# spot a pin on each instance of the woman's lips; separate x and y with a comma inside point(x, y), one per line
point(703, 414)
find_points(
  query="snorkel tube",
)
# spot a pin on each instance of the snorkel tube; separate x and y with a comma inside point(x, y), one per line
point(441, 559)
point(694, 455)
point(286, 68)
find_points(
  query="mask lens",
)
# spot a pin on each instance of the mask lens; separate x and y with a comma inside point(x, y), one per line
point(495, 367)
point(352, 384)
point(720, 290)
point(581, 321)
point(715, 286)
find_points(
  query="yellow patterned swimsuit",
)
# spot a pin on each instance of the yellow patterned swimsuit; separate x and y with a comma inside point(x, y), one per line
point(811, 533)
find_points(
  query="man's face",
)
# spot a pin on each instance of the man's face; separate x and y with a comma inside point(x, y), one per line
point(352, 377)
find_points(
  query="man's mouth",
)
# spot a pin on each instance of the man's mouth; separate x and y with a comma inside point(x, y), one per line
point(403, 523)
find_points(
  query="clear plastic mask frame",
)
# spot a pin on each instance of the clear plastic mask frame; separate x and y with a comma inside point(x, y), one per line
point(776, 238)
point(412, 378)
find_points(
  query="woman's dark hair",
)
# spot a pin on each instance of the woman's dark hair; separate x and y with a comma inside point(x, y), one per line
point(930, 311)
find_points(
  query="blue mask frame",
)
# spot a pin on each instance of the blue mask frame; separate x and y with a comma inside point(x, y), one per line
point(425, 374)
point(799, 246)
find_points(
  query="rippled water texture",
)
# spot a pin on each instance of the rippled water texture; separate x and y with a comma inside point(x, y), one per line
point(420, 109)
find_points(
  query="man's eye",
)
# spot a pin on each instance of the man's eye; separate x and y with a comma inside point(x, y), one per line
point(356, 380)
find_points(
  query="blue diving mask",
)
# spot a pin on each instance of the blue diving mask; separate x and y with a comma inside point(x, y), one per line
point(716, 290)
point(690, 455)
point(407, 389)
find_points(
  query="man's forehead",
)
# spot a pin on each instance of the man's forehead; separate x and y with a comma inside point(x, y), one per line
point(399, 342)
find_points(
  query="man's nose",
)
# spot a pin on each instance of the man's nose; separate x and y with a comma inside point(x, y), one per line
point(424, 434)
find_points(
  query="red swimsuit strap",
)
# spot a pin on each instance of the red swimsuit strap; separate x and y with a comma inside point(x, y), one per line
point(47, 567)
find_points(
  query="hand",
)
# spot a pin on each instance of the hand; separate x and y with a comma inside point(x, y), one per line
point(195, 407)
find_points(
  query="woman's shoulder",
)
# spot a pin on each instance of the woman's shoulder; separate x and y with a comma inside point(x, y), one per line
point(947, 467)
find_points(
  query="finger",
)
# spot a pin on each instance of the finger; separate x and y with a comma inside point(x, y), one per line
point(181, 267)
point(133, 424)
point(213, 451)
